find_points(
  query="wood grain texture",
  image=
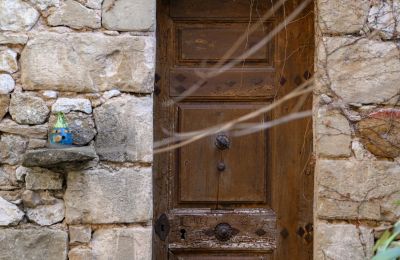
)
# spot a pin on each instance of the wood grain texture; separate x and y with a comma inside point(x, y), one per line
point(266, 173)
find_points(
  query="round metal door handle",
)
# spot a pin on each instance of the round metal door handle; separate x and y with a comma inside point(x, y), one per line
point(222, 142)
point(224, 232)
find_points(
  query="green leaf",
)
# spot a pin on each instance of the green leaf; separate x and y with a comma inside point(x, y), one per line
point(381, 241)
point(389, 254)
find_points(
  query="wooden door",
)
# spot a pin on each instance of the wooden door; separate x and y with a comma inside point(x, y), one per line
point(226, 196)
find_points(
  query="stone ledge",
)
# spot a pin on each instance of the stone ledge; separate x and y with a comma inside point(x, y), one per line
point(52, 157)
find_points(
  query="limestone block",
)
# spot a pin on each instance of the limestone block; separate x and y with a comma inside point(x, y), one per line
point(356, 189)
point(81, 125)
point(32, 199)
point(80, 234)
point(42, 179)
point(36, 143)
point(27, 109)
point(46, 215)
point(109, 196)
point(67, 105)
point(360, 70)
point(17, 15)
point(80, 253)
point(343, 241)
point(4, 103)
point(8, 178)
point(35, 131)
point(44, 4)
point(93, 4)
point(9, 214)
point(12, 148)
point(342, 16)
point(72, 14)
point(8, 61)
point(7, 84)
point(122, 243)
point(383, 17)
point(88, 62)
point(129, 15)
point(43, 243)
point(13, 38)
point(125, 126)
point(333, 136)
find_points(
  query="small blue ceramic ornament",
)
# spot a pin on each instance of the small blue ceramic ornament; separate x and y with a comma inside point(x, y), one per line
point(60, 133)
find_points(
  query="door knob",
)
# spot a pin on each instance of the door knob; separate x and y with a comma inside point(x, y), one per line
point(222, 142)
point(224, 232)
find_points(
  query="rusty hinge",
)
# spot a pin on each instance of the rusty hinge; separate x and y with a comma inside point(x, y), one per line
point(162, 227)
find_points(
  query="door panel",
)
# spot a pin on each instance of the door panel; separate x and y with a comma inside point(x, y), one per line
point(208, 173)
point(227, 196)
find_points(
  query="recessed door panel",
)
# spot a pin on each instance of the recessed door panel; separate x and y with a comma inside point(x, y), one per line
point(211, 173)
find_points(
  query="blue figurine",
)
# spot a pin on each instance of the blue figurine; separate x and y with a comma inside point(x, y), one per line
point(60, 133)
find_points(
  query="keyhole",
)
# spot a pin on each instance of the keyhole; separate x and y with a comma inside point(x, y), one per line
point(183, 233)
point(162, 228)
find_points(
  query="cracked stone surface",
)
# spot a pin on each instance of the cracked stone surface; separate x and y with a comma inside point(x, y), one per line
point(17, 15)
point(384, 16)
point(360, 70)
point(342, 16)
point(46, 215)
point(333, 136)
point(34, 131)
point(358, 189)
point(4, 103)
point(343, 241)
point(8, 61)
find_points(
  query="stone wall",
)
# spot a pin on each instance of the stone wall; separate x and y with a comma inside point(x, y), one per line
point(93, 60)
point(356, 125)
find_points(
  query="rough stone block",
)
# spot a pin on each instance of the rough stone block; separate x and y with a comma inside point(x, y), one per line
point(8, 61)
point(125, 129)
point(7, 84)
point(43, 179)
point(67, 105)
point(357, 189)
point(80, 253)
point(122, 243)
point(4, 103)
point(80, 234)
point(343, 241)
point(13, 38)
point(359, 70)
point(88, 62)
point(31, 243)
point(8, 178)
point(383, 17)
point(12, 148)
point(35, 131)
point(72, 14)
point(333, 136)
point(27, 109)
point(46, 215)
point(129, 15)
point(342, 16)
point(109, 196)
point(17, 15)
point(9, 214)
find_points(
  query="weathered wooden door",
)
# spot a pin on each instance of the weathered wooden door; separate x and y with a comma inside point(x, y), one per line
point(227, 196)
